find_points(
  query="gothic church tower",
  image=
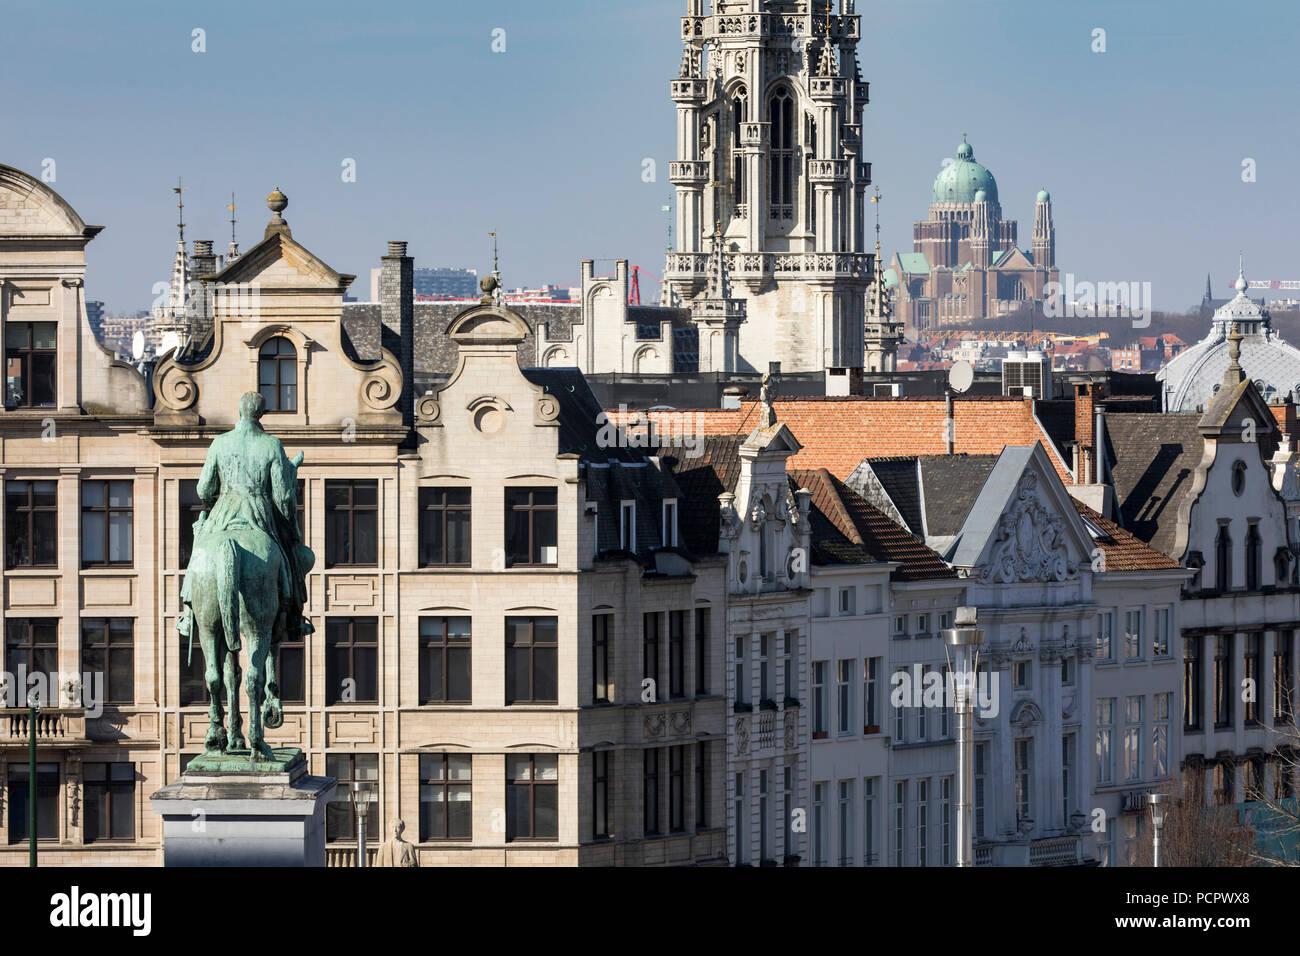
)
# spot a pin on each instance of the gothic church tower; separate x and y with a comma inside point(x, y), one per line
point(770, 155)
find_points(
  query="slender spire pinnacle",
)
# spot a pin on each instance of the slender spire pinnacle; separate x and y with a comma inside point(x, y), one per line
point(1234, 375)
point(497, 289)
point(233, 252)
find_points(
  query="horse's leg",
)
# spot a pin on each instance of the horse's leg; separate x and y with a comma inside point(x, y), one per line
point(232, 689)
point(212, 647)
point(272, 710)
point(259, 646)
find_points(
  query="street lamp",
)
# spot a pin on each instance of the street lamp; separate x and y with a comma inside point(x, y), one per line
point(962, 645)
point(1158, 803)
point(361, 791)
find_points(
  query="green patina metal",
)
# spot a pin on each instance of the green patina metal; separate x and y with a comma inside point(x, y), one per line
point(282, 760)
point(246, 581)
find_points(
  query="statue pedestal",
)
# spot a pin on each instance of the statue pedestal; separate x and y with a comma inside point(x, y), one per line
point(229, 811)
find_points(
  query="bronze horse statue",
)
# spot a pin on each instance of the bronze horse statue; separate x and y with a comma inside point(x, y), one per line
point(245, 570)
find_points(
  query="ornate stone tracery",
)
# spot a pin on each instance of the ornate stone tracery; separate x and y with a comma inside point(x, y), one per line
point(1030, 544)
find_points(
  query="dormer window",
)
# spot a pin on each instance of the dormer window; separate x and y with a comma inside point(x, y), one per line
point(670, 523)
point(30, 361)
point(277, 374)
point(627, 526)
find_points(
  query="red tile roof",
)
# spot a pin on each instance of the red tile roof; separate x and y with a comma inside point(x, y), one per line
point(837, 433)
point(1123, 550)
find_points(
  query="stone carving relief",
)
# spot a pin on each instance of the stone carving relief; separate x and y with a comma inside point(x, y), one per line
point(1030, 543)
point(742, 735)
point(655, 724)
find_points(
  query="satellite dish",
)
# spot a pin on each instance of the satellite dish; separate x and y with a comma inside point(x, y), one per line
point(170, 342)
point(137, 345)
point(960, 377)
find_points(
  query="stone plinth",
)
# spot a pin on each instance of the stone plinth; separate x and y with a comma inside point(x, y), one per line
point(227, 810)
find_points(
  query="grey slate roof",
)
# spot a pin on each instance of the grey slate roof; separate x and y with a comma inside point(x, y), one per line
point(1152, 459)
point(951, 485)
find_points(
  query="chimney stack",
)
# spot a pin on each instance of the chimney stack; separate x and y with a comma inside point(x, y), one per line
point(1085, 435)
point(203, 262)
point(397, 313)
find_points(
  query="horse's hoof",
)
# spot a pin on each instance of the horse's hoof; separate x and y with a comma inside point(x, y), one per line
point(236, 743)
point(272, 715)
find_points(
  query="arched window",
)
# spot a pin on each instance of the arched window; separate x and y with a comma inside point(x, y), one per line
point(277, 375)
point(739, 116)
point(1254, 547)
point(780, 113)
point(1223, 560)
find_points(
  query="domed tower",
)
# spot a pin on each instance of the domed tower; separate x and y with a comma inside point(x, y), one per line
point(1044, 232)
point(770, 100)
point(964, 192)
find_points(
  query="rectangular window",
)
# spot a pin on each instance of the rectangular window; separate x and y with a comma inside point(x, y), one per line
point(1283, 691)
point(188, 508)
point(108, 648)
point(532, 797)
point(602, 773)
point(900, 713)
point(602, 691)
point(1024, 776)
point(445, 660)
point(701, 785)
point(670, 523)
point(1020, 675)
point(1106, 740)
point(787, 814)
point(870, 811)
point(532, 665)
point(1133, 738)
point(787, 666)
point(340, 812)
point(650, 625)
point(740, 811)
point(821, 722)
point(844, 824)
point(31, 524)
point(677, 789)
point(900, 822)
point(444, 527)
point(1192, 691)
point(819, 824)
point(1160, 736)
point(47, 801)
point(870, 690)
point(922, 625)
point(923, 712)
point(1251, 673)
point(1067, 776)
point(945, 708)
point(764, 824)
point(848, 602)
point(900, 626)
point(650, 790)
point(351, 524)
point(290, 668)
point(764, 669)
point(945, 820)
point(107, 524)
point(32, 644)
point(31, 358)
point(1133, 634)
point(1162, 639)
point(844, 696)
point(110, 801)
point(1106, 637)
point(446, 797)
point(979, 797)
point(1224, 690)
point(627, 526)
point(741, 674)
point(923, 822)
point(1225, 784)
point(701, 651)
point(193, 685)
point(532, 531)
point(352, 660)
point(676, 654)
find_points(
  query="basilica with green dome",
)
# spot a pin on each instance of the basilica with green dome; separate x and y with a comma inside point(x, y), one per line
point(965, 264)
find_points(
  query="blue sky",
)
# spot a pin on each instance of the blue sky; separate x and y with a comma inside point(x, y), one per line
point(1141, 146)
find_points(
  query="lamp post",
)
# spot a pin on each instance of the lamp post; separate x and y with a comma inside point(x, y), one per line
point(361, 790)
point(1158, 802)
point(962, 645)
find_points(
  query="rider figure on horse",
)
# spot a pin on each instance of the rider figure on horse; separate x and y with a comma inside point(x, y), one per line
point(248, 482)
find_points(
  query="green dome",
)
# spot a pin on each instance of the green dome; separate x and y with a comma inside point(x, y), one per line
point(1044, 196)
point(959, 181)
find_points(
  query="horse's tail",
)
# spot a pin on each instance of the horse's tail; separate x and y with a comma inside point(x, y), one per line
point(228, 564)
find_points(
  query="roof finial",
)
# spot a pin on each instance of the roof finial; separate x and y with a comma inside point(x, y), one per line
point(1234, 373)
point(233, 252)
point(1241, 285)
point(277, 202)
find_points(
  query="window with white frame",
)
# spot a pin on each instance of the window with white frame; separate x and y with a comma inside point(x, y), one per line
point(870, 695)
point(945, 821)
point(1133, 738)
point(1020, 675)
point(922, 624)
point(1160, 736)
point(900, 822)
point(923, 822)
point(900, 625)
point(627, 525)
point(945, 712)
point(741, 674)
point(848, 602)
point(787, 665)
point(844, 696)
point(1162, 638)
point(945, 620)
point(900, 712)
point(1105, 637)
point(844, 823)
point(670, 522)
point(787, 810)
point(1024, 756)
point(979, 798)
point(819, 824)
point(1068, 754)
point(1133, 634)
point(764, 668)
point(870, 811)
point(741, 845)
point(764, 824)
point(1106, 740)
point(923, 712)
point(820, 717)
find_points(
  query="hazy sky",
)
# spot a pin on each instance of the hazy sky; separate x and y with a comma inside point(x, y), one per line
point(1141, 146)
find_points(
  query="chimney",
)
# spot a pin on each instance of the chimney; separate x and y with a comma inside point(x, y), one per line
point(1284, 414)
point(203, 262)
point(857, 382)
point(1085, 434)
point(397, 313)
